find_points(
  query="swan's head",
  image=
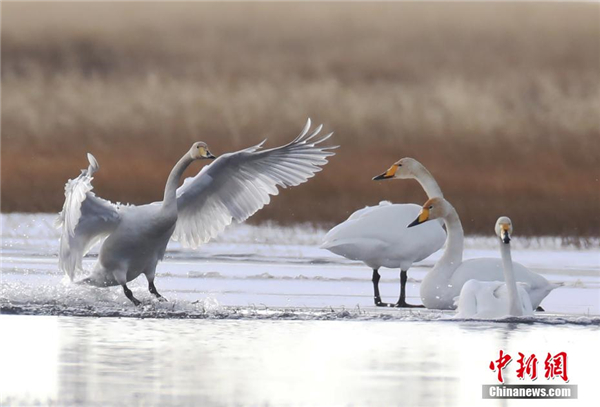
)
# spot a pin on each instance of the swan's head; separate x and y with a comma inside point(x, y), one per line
point(435, 208)
point(200, 151)
point(405, 168)
point(504, 229)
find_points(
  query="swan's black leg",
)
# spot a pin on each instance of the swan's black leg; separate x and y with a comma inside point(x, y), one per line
point(129, 295)
point(402, 301)
point(153, 290)
point(377, 297)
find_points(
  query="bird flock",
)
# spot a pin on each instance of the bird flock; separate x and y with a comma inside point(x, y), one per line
point(236, 185)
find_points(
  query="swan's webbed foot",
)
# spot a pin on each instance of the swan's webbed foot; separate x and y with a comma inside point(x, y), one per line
point(129, 295)
point(404, 304)
point(153, 290)
point(380, 303)
point(540, 309)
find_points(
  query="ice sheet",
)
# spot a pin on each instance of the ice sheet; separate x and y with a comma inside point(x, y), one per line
point(269, 272)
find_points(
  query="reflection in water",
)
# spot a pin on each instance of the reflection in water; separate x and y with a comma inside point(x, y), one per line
point(29, 356)
point(70, 360)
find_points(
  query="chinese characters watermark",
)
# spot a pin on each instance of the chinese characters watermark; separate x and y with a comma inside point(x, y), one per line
point(555, 367)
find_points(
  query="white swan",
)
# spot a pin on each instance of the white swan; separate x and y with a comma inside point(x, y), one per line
point(496, 299)
point(233, 187)
point(378, 236)
point(444, 282)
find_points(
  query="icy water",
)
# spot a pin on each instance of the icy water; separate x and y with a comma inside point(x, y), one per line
point(263, 317)
point(130, 361)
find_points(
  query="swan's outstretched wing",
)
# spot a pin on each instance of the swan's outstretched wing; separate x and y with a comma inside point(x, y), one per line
point(236, 185)
point(84, 220)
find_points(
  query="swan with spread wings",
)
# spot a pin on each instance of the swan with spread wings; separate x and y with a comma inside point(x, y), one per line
point(232, 188)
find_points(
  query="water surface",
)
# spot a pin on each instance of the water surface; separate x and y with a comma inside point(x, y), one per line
point(130, 361)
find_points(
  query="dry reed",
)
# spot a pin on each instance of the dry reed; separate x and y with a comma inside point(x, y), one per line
point(500, 101)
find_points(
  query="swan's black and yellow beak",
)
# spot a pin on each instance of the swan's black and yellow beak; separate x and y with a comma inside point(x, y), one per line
point(388, 174)
point(210, 155)
point(422, 218)
point(505, 234)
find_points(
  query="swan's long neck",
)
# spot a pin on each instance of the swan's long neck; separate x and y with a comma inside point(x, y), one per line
point(514, 301)
point(437, 290)
point(452, 257)
point(170, 198)
point(430, 186)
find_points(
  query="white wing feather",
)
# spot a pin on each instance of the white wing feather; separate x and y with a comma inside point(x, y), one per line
point(84, 220)
point(237, 185)
point(489, 300)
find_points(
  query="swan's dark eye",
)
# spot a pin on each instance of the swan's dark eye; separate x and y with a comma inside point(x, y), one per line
point(430, 206)
point(198, 147)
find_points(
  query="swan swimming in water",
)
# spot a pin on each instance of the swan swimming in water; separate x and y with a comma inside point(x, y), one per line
point(232, 188)
point(377, 235)
point(496, 299)
point(445, 281)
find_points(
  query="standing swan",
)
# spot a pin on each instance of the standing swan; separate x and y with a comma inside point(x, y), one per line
point(496, 299)
point(233, 187)
point(444, 282)
point(378, 236)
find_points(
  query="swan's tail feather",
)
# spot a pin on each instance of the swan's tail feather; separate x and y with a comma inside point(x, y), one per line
point(554, 286)
point(338, 245)
point(326, 244)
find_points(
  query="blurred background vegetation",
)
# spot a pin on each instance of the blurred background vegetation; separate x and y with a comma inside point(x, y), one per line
point(500, 101)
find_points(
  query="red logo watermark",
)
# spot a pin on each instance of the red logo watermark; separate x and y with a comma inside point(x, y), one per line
point(554, 366)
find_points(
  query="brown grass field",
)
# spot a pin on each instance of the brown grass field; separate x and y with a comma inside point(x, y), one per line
point(501, 101)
